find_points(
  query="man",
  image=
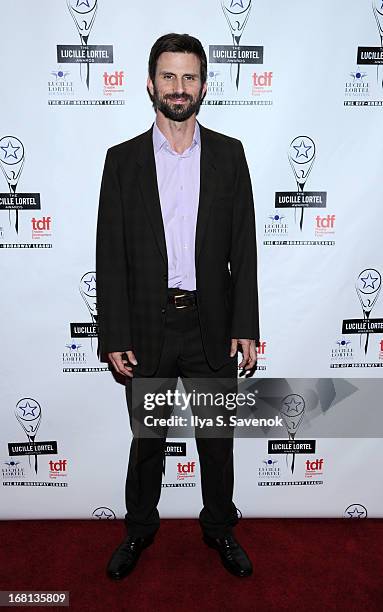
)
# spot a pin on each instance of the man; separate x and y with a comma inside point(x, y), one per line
point(176, 283)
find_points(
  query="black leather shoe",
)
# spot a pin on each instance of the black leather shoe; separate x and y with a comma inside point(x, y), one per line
point(125, 557)
point(233, 557)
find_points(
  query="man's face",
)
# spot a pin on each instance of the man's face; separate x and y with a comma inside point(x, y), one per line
point(177, 90)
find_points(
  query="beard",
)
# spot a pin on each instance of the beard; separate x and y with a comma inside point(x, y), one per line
point(177, 112)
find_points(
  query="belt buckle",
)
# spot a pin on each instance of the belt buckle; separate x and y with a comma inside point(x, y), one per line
point(179, 296)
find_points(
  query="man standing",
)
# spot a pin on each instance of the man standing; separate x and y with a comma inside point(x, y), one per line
point(177, 282)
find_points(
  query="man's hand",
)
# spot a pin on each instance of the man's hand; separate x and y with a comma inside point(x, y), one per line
point(248, 350)
point(120, 364)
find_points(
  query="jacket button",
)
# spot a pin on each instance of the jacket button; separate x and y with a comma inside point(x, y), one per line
point(163, 310)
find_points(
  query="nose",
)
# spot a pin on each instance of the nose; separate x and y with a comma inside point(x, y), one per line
point(178, 85)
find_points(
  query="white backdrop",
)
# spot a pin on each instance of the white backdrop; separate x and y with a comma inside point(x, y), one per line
point(309, 109)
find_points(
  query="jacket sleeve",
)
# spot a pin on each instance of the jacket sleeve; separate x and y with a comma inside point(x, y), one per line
point(243, 256)
point(111, 265)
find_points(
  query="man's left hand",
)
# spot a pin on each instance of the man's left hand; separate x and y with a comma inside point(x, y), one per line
point(248, 349)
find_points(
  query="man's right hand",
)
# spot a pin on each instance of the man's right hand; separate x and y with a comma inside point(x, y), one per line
point(120, 364)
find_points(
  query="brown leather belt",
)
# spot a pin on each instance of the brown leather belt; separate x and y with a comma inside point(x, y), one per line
point(181, 298)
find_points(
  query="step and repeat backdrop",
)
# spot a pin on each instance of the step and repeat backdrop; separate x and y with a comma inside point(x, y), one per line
point(301, 85)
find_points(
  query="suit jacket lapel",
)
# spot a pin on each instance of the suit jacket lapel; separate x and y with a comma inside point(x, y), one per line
point(149, 188)
point(206, 190)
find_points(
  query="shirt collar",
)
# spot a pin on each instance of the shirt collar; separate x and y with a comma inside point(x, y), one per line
point(160, 141)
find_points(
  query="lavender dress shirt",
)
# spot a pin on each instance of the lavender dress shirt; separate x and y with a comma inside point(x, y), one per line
point(178, 178)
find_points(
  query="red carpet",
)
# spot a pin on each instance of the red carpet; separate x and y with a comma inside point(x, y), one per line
point(306, 565)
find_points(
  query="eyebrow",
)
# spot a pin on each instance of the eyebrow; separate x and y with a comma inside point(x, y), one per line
point(194, 74)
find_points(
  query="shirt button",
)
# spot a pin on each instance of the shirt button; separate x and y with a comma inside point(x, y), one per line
point(163, 310)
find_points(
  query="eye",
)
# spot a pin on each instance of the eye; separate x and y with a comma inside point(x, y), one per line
point(189, 77)
point(167, 77)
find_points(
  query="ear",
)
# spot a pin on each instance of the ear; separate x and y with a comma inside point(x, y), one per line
point(203, 90)
point(150, 86)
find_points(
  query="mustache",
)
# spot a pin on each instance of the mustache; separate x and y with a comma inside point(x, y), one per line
point(178, 96)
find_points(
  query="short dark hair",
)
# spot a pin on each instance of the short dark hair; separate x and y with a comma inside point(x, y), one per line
point(177, 43)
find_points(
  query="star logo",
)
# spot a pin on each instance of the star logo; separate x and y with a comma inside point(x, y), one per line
point(358, 75)
point(276, 218)
point(369, 281)
point(82, 2)
point(213, 74)
point(60, 74)
point(269, 461)
point(236, 3)
point(302, 150)
point(292, 406)
point(29, 410)
point(103, 513)
point(10, 151)
point(73, 346)
point(356, 511)
point(91, 284)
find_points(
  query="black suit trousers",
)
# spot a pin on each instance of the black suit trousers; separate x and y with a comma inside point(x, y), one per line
point(182, 355)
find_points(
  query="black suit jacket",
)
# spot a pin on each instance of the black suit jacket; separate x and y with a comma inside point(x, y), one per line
point(131, 258)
